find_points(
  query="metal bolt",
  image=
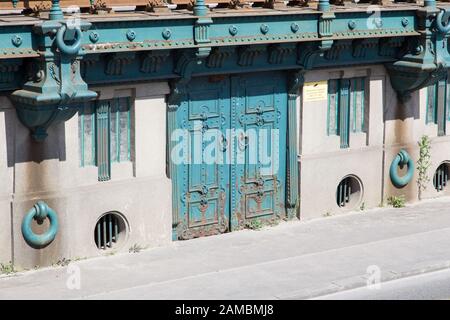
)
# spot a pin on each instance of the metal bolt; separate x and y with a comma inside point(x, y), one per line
point(264, 28)
point(405, 22)
point(233, 30)
point(166, 33)
point(131, 35)
point(94, 36)
point(351, 24)
point(16, 40)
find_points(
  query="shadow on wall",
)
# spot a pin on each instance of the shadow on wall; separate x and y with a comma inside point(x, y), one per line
point(400, 132)
point(398, 110)
point(22, 148)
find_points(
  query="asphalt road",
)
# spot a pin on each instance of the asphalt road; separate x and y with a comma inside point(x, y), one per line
point(427, 286)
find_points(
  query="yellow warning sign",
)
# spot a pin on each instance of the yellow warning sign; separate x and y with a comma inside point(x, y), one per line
point(315, 91)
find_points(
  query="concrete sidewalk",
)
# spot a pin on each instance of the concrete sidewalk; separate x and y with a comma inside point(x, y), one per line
point(290, 261)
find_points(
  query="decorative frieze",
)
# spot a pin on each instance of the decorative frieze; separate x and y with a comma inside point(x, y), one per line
point(8, 69)
point(337, 48)
point(248, 54)
point(361, 46)
point(152, 61)
point(117, 62)
point(218, 56)
point(389, 46)
point(278, 52)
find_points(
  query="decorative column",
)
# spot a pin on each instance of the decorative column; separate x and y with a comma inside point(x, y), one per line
point(324, 5)
point(296, 80)
point(201, 28)
point(325, 24)
point(200, 8)
point(55, 11)
point(429, 4)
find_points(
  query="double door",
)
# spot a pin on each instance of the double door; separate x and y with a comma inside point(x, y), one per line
point(229, 154)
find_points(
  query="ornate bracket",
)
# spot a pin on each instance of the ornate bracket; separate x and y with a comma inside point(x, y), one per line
point(427, 58)
point(55, 88)
point(308, 53)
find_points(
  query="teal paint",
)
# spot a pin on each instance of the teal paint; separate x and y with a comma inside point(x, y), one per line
point(103, 136)
point(295, 82)
point(324, 5)
point(39, 212)
point(81, 135)
point(215, 198)
point(333, 107)
point(441, 107)
point(347, 98)
point(344, 113)
point(129, 129)
point(106, 117)
point(401, 159)
point(363, 104)
point(65, 48)
point(436, 103)
point(337, 106)
point(117, 124)
point(354, 94)
point(55, 11)
point(55, 92)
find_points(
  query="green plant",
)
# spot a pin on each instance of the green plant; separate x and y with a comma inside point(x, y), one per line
point(254, 224)
point(423, 164)
point(7, 268)
point(62, 262)
point(396, 201)
point(135, 248)
point(362, 207)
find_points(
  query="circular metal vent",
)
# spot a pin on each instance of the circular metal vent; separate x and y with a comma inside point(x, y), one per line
point(440, 178)
point(349, 192)
point(110, 231)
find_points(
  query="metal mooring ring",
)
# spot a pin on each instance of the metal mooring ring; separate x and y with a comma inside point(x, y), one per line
point(68, 49)
point(439, 22)
point(401, 159)
point(40, 211)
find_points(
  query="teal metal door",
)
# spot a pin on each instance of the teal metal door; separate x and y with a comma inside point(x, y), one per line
point(229, 153)
point(201, 184)
point(259, 118)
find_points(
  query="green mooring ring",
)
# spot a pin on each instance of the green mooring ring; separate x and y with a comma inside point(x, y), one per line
point(440, 22)
point(68, 49)
point(401, 159)
point(40, 211)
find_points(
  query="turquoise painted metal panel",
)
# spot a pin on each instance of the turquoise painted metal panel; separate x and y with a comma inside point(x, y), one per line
point(344, 108)
point(245, 119)
point(202, 185)
point(259, 116)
